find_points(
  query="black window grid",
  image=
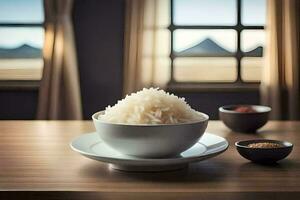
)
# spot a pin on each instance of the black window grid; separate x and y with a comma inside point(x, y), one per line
point(239, 54)
point(21, 25)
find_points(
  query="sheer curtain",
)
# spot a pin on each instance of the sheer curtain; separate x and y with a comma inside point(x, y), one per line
point(280, 81)
point(147, 44)
point(59, 93)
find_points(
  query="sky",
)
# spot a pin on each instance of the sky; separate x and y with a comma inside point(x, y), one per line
point(188, 12)
point(218, 12)
point(21, 11)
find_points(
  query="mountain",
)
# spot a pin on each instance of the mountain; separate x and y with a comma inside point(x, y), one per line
point(24, 51)
point(257, 52)
point(207, 47)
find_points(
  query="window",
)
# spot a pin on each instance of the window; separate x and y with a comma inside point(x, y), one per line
point(214, 41)
point(21, 39)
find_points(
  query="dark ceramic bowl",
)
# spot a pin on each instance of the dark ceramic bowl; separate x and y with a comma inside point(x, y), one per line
point(264, 155)
point(244, 121)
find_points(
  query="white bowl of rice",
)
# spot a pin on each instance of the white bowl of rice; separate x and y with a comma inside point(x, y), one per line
point(150, 124)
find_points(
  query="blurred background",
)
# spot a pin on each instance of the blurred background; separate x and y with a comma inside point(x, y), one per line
point(69, 59)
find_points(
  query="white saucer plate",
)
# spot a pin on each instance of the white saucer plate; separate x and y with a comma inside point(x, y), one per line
point(91, 146)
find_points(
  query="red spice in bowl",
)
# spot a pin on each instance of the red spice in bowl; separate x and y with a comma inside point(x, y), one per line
point(244, 109)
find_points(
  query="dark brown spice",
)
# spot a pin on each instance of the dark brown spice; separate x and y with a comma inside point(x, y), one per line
point(264, 145)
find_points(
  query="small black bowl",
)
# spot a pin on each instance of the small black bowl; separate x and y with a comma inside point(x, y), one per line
point(264, 155)
point(244, 121)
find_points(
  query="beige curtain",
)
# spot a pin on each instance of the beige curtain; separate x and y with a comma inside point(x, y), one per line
point(280, 81)
point(133, 37)
point(59, 94)
point(146, 44)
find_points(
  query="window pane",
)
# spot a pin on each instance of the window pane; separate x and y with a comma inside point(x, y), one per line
point(251, 69)
point(204, 42)
point(253, 42)
point(21, 69)
point(254, 12)
point(21, 11)
point(205, 69)
point(21, 42)
point(205, 12)
point(21, 53)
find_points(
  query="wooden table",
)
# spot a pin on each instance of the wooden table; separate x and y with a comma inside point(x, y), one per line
point(36, 162)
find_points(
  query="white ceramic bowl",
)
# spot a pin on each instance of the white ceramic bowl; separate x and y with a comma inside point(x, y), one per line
point(150, 141)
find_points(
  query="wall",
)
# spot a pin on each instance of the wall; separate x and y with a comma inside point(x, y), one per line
point(99, 33)
point(16, 104)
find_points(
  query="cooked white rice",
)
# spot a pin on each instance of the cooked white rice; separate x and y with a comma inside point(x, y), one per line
point(150, 106)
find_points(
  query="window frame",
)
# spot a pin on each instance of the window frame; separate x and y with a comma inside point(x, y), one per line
point(238, 55)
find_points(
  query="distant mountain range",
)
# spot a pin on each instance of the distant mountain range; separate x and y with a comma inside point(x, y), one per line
point(208, 47)
point(24, 51)
point(257, 52)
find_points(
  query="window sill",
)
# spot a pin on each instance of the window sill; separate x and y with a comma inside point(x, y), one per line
point(20, 74)
point(19, 84)
point(213, 87)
